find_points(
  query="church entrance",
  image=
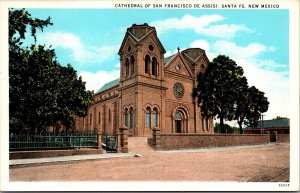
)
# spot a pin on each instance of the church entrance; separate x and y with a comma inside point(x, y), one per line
point(178, 126)
point(180, 120)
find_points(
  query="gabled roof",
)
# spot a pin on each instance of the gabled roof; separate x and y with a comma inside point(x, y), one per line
point(139, 36)
point(194, 54)
point(108, 85)
point(274, 123)
point(167, 59)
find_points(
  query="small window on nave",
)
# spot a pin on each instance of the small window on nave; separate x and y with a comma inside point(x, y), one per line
point(147, 64)
point(131, 124)
point(109, 115)
point(148, 114)
point(126, 117)
point(154, 66)
point(99, 118)
point(127, 67)
point(132, 60)
point(154, 118)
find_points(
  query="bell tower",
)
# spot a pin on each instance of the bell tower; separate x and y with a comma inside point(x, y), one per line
point(141, 53)
point(141, 71)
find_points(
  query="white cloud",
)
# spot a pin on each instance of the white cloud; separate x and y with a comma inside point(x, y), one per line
point(223, 31)
point(167, 54)
point(80, 52)
point(202, 25)
point(261, 73)
point(250, 51)
point(94, 81)
point(265, 74)
point(201, 44)
point(274, 84)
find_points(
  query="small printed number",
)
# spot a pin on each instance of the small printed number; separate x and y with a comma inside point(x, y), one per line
point(284, 185)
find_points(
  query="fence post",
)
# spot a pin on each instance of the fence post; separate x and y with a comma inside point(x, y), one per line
point(124, 139)
point(79, 142)
point(269, 136)
point(276, 136)
point(156, 137)
point(118, 134)
point(99, 136)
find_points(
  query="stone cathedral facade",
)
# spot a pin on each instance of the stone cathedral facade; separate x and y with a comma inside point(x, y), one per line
point(152, 91)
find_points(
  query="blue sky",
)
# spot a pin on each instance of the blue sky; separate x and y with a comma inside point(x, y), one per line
point(257, 40)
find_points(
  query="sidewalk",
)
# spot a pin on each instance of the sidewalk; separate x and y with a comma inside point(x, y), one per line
point(219, 149)
point(263, 163)
point(143, 149)
point(38, 161)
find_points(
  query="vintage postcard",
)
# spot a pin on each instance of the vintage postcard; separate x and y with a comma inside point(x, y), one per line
point(149, 95)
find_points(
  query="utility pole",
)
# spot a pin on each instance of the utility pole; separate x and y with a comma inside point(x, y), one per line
point(262, 126)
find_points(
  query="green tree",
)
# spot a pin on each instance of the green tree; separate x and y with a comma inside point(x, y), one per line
point(228, 128)
point(73, 97)
point(249, 105)
point(258, 104)
point(41, 91)
point(19, 67)
point(218, 88)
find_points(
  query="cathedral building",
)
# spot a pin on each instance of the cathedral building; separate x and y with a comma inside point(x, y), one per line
point(152, 91)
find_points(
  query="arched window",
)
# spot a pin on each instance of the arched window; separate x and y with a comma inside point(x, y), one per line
point(90, 119)
point(83, 122)
point(126, 117)
point(147, 63)
point(178, 116)
point(147, 115)
point(126, 67)
point(132, 60)
point(202, 68)
point(109, 115)
point(154, 118)
point(154, 66)
point(99, 118)
point(131, 125)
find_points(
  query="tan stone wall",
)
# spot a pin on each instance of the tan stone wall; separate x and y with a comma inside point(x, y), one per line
point(283, 138)
point(150, 97)
point(51, 153)
point(103, 114)
point(128, 100)
point(186, 141)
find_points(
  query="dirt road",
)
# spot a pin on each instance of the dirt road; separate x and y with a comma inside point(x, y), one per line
point(264, 163)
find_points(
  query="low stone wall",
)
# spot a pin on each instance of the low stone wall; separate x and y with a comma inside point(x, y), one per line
point(186, 141)
point(122, 147)
point(51, 153)
point(283, 138)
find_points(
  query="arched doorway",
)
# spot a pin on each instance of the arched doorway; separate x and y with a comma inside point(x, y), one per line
point(180, 120)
